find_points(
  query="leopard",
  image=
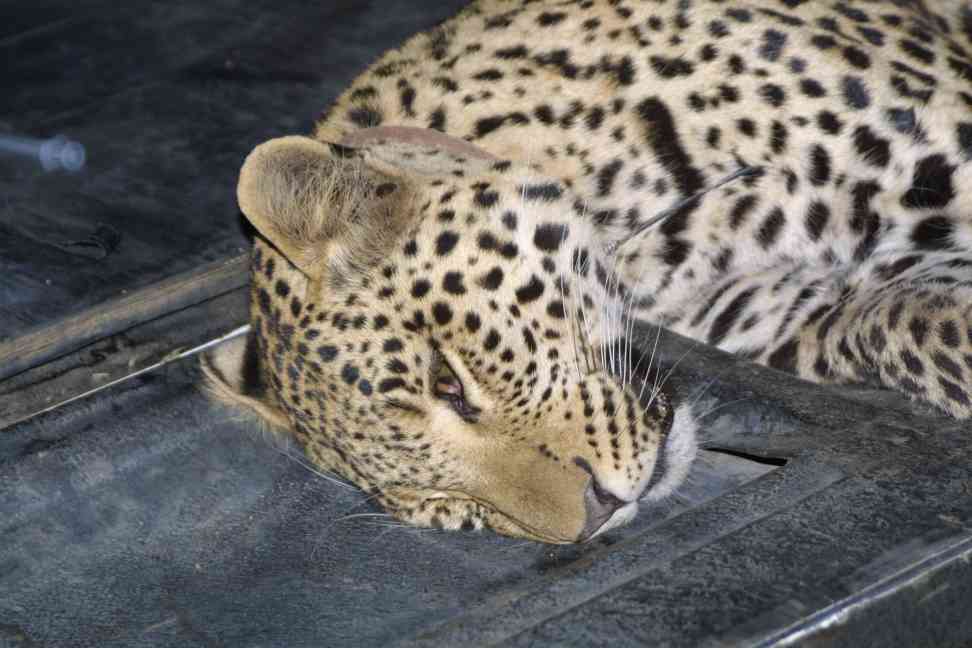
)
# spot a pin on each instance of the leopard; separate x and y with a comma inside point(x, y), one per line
point(447, 270)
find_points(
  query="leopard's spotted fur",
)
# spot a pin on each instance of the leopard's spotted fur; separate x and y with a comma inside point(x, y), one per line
point(444, 325)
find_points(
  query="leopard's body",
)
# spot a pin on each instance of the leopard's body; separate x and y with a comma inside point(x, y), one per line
point(787, 180)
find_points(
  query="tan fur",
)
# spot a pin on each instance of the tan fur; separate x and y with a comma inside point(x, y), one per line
point(222, 371)
point(321, 211)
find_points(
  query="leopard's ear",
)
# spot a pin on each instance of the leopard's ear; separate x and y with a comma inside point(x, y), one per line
point(324, 207)
point(234, 376)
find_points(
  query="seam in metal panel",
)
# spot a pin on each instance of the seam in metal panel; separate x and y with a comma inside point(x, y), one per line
point(839, 612)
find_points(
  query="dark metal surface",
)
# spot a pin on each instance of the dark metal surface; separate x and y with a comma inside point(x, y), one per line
point(146, 516)
point(167, 98)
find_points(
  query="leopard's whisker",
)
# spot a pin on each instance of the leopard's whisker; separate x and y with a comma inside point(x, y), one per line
point(306, 466)
point(671, 369)
point(667, 213)
point(718, 407)
point(644, 352)
point(567, 309)
point(698, 396)
point(356, 516)
point(590, 354)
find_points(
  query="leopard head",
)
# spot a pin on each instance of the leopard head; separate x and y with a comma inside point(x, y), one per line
point(445, 330)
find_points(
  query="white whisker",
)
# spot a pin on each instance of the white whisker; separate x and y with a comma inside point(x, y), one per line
point(628, 333)
point(718, 407)
point(356, 516)
point(568, 310)
point(650, 360)
point(329, 478)
point(698, 396)
point(661, 385)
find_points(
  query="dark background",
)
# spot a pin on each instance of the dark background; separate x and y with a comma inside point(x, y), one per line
point(167, 98)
